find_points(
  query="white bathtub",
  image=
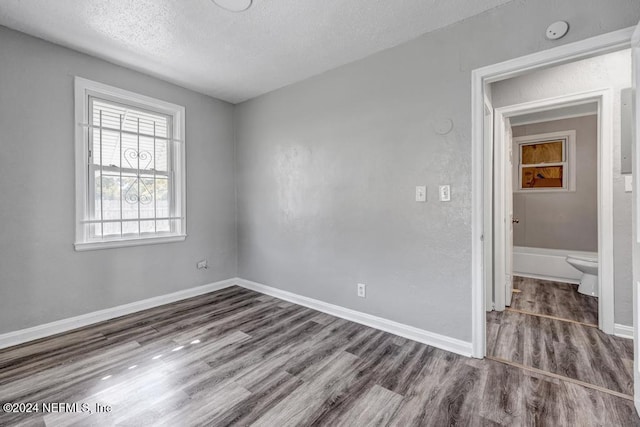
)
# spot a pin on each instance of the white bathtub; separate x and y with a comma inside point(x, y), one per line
point(547, 264)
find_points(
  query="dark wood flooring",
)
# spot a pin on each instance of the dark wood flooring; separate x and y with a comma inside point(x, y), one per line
point(576, 351)
point(235, 357)
point(554, 299)
point(561, 347)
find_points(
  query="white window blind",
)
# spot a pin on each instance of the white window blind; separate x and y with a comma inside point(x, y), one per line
point(133, 173)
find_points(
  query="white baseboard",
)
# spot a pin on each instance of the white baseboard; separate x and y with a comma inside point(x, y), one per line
point(24, 335)
point(41, 331)
point(420, 335)
point(623, 331)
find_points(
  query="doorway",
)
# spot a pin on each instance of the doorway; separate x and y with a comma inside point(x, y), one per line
point(482, 242)
point(554, 176)
point(482, 162)
point(503, 195)
point(542, 322)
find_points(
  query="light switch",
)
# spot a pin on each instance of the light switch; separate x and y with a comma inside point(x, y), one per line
point(421, 193)
point(445, 193)
point(628, 183)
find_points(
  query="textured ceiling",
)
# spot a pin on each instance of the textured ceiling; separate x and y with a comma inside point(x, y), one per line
point(233, 56)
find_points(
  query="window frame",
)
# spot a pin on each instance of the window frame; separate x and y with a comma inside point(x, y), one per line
point(569, 150)
point(84, 89)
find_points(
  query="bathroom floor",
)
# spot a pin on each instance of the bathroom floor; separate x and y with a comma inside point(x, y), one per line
point(551, 329)
point(554, 299)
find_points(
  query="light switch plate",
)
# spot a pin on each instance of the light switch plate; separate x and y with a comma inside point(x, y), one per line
point(628, 183)
point(421, 193)
point(445, 193)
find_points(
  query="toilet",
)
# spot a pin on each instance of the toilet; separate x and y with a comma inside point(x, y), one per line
point(588, 265)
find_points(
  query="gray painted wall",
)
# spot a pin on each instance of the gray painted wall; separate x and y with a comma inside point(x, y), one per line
point(567, 220)
point(42, 278)
point(327, 168)
point(608, 71)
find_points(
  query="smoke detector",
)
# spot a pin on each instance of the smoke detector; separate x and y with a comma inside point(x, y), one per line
point(557, 30)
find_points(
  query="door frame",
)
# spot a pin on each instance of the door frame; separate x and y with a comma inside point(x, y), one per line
point(635, 55)
point(480, 77)
point(488, 202)
point(604, 100)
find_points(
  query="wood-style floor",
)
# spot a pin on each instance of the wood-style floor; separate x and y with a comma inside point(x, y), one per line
point(579, 351)
point(554, 299)
point(235, 357)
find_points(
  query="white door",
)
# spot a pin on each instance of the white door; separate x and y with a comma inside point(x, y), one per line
point(508, 204)
point(503, 211)
point(635, 44)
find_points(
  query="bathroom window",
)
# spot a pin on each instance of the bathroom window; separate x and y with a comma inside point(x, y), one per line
point(129, 168)
point(545, 162)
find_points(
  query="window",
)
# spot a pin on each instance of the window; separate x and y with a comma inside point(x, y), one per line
point(130, 166)
point(545, 162)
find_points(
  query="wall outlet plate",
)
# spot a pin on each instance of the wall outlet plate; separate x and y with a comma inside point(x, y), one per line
point(421, 193)
point(628, 183)
point(202, 265)
point(362, 290)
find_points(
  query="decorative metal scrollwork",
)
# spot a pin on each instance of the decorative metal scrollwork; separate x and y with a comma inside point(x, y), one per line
point(138, 157)
point(138, 191)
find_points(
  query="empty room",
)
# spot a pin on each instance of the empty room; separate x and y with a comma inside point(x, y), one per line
point(297, 212)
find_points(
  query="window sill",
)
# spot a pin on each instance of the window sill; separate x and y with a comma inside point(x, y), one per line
point(109, 244)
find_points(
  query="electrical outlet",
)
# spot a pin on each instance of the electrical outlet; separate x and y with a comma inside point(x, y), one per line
point(362, 290)
point(202, 265)
point(421, 193)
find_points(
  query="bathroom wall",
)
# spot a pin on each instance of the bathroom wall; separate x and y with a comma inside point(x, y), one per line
point(561, 220)
point(606, 71)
